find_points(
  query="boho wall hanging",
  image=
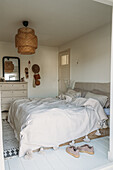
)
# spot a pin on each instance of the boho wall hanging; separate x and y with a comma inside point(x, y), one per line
point(36, 77)
point(26, 40)
point(26, 73)
point(29, 64)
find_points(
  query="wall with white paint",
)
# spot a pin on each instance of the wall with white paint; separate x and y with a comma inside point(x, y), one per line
point(90, 56)
point(89, 61)
point(46, 58)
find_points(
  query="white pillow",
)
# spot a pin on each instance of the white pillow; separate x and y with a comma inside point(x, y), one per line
point(69, 95)
point(102, 99)
point(73, 93)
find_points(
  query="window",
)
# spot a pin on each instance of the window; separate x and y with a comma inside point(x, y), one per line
point(64, 59)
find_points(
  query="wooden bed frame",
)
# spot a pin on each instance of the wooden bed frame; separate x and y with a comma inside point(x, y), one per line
point(89, 87)
point(104, 132)
point(105, 87)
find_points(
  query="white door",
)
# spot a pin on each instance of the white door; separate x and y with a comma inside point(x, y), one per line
point(1, 140)
point(63, 70)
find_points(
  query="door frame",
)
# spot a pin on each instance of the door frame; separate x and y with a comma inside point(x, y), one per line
point(1, 140)
point(110, 152)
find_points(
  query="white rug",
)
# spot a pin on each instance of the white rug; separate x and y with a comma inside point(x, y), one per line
point(10, 143)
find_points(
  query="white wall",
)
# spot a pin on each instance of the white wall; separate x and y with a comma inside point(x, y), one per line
point(92, 51)
point(46, 58)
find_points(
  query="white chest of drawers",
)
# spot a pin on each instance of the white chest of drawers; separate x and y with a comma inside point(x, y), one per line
point(11, 91)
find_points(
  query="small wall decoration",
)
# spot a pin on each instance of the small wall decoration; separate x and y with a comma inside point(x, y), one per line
point(26, 73)
point(29, 64)
point(36, 69)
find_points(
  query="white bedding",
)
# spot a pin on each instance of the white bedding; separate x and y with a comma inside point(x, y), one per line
point(50, 122)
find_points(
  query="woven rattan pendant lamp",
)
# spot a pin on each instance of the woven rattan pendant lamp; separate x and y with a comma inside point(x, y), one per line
point(26, 40)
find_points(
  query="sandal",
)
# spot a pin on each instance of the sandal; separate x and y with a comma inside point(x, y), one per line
point(72, 150)
point(86, 149)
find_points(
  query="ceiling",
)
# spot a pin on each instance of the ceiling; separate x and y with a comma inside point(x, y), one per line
point(56, 22)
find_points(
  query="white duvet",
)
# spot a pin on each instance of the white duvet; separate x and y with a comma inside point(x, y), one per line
point(50, 122)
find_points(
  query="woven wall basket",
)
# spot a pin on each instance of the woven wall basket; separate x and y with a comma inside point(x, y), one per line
point(26, 41)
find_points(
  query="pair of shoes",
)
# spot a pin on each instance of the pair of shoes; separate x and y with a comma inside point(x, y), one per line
point(86, 149)
point(74, 151)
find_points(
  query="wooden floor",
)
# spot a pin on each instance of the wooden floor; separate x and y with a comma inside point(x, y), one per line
point(61, 160)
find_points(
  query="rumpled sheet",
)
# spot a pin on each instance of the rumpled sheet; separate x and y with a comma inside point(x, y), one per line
point(50, 122)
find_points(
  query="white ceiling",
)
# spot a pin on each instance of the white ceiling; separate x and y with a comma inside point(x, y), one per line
point(56, 22)
point(108, 2)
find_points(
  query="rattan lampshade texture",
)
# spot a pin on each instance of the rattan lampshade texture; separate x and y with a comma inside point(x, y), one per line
point(26, 41)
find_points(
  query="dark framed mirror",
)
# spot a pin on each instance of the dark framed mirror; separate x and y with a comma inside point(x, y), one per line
point(11, 68)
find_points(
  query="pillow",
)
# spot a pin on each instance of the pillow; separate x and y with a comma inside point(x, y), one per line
point(83, 91)
point(69, 95)
point(101, 98)
point(73, 93)
point(105, 94)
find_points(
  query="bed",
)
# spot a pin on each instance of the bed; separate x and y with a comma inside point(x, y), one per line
point(51, 122)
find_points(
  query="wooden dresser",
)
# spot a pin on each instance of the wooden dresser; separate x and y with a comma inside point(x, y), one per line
point(11, 91)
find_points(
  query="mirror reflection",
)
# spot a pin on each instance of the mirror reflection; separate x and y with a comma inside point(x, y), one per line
point(11, 68)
